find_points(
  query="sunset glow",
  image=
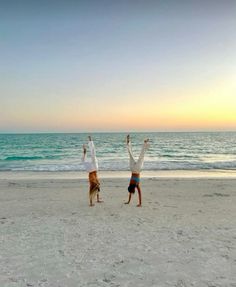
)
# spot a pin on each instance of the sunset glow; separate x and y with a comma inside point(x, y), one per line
point(154, 67)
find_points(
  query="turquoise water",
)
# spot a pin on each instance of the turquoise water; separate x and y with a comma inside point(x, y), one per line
point(168, 151)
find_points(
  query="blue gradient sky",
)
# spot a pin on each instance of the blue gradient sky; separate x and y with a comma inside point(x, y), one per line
point(117, 65)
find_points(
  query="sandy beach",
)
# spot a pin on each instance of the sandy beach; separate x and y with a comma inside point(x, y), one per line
point(184, 235)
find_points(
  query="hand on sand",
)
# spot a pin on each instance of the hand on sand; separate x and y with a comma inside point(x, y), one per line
point(100, 201)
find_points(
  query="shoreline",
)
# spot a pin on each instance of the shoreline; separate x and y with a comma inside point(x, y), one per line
point(5, 175)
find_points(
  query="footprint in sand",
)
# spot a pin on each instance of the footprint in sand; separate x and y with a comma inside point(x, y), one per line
point(216, 194)
point(181, 283)
point(11, 183)
point(3, 220)
point(221, 194)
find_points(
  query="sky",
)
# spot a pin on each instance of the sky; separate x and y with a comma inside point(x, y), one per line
point(76, 66)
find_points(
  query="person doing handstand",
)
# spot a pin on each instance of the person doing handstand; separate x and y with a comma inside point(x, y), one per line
point(92, 168)
point(135, 168)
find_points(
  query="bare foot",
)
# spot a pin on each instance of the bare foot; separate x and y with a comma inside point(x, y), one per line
point(126, 202)
point(100, 201)
point(91, 204)
point(139, 205)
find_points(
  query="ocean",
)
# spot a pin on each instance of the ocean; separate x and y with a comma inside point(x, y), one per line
point(168, 151)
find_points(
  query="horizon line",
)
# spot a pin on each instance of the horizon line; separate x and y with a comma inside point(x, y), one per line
point(125, 132)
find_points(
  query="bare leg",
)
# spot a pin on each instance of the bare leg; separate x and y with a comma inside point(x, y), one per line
point(128, 199)
point(139, 196)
